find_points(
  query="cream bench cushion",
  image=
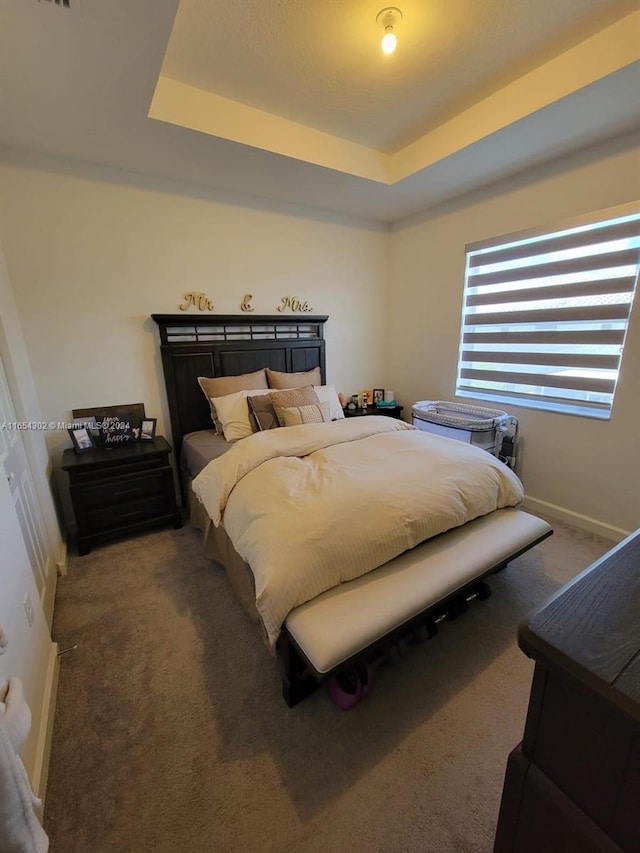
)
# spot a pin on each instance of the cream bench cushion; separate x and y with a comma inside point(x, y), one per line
point(345, 620)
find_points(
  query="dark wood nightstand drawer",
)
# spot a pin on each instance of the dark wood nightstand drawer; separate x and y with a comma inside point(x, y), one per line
point(125, 489)
point(118, 470)
point(121, 515)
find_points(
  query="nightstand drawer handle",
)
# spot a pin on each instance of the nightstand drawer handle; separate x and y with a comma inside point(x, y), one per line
point(132, 514)
point(127, 492)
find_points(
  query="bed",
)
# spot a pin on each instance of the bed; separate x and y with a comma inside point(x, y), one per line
point(324, 602)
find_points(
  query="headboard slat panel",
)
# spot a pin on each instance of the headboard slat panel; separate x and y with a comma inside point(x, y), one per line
point(228, 345)
point(235, 360)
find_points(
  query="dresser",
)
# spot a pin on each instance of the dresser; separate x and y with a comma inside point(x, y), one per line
point(121, 491)
point(573, 784)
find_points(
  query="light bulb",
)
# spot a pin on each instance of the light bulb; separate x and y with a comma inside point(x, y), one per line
point(389, 41)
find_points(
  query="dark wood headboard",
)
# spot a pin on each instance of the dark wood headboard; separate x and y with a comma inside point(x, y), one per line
point(227, 345)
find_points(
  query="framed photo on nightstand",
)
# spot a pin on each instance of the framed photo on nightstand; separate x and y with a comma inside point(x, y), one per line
point(378, 396)
point(147, 428)
point(81, 438)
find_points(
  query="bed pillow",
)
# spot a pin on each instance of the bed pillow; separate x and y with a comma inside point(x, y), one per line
point(329, 394)
point(220, 386)
point(278, 380)
point(288, 398)
point(262, 411)
point(316, 413)
point(233, 413)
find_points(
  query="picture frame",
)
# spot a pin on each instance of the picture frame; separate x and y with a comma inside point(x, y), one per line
point(96, 416)
point(116, 430)
point(147, 429)
point(378, 396)
point(81, 438)
point(369, 393)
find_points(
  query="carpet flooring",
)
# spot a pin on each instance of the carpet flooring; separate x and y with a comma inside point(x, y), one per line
point(171, 735)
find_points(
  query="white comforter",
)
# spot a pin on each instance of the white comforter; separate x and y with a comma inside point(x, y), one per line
point(311, 506)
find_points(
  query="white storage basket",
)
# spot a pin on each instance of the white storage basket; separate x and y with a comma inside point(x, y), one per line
point(473, 424)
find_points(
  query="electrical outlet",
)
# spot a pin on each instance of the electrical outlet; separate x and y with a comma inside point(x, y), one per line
point(28, 609)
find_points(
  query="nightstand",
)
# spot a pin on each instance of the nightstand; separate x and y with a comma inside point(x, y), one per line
point(390, 412)
point(121, 491)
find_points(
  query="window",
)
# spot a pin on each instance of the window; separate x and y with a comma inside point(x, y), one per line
point(544, 318)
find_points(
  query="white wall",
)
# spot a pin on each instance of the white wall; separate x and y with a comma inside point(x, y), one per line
point(583, 466)
point(30, 655)
point(92, 253)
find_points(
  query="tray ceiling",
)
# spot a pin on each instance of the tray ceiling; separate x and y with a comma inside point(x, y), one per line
point(293, 99)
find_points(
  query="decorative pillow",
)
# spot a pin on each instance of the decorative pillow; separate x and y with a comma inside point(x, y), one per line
point(316, 413)
point(278, 380)
point(292, 397)
point(329, 393)
point(262, 408)
point(220, 386)
point(233, 413)
point(263, 412)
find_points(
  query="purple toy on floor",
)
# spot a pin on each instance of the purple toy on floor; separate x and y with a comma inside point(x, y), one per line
point(351, 686)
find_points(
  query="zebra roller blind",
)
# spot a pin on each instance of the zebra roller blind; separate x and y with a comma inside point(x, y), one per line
point(545, 318)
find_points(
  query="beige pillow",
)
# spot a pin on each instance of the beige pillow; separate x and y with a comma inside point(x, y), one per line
point(233, 414)
point(219, 386)
point(287, 398)
point(316, 413)
point(278, 380)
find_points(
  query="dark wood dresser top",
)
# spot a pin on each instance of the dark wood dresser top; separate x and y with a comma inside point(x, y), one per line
point(591, 628)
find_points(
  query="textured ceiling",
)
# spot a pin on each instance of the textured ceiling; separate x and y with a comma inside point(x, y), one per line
point(319, 63)
point(291, 101)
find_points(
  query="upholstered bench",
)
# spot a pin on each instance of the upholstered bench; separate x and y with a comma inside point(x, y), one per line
point(344, 622)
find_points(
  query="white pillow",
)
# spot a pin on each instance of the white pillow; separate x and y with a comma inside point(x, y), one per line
point(233, 413)
point(328, 394)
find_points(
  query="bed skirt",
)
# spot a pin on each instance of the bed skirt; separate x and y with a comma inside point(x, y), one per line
point(218, 547)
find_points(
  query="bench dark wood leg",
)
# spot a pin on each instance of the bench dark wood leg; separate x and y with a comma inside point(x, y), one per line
point(297, 682)
point(297, 689)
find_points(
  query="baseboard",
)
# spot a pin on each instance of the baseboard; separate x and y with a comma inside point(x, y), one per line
point(41, 771)
point(583, 522)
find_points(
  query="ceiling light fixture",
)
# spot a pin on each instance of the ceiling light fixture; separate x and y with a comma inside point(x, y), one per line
point(389, 19)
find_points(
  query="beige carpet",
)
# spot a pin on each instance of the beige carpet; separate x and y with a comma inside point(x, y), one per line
point(171, 735)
